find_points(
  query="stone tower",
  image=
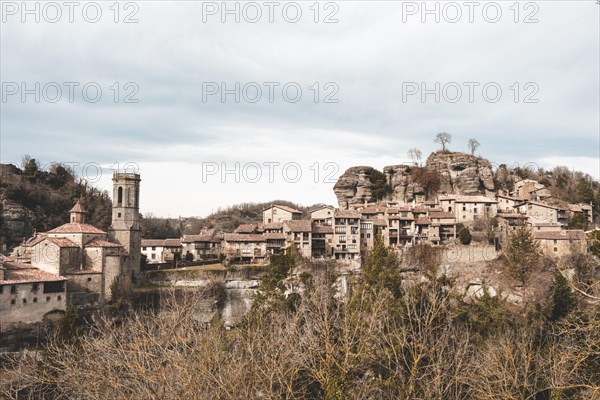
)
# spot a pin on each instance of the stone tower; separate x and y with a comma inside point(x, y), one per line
point(125, 228)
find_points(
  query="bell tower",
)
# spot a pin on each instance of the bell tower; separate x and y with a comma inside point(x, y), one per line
point(125, 228)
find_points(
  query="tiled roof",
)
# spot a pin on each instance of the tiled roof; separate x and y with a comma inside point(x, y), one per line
point(75, 227)
point(438, 215)
point(322, 229)
point(203, 236)
point(33, 241)
point(321, 207)
point(62, 242)
point(346, 214)
point(273, 236)
point(474, 199)
point(379, 222)
point(101, 243)
point(510, 215)
point(237, 237)
point(246, 228)
point(161, 242)
point(273, 225)
point(78, 208)
point(16, 272)
point(286, 208)
point(510, 197)
point(372, 210)
point(559, 235)
point(301, 225)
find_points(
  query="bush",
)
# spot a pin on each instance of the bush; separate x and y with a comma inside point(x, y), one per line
point(464, 235)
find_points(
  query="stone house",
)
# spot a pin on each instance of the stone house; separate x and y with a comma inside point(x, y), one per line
point(280, 213)
point(507, 203)
point(400, 226)
point(322, 216)
point(298, 233)
point(28, 294)
point(525, 187)
point(442, 228)
point(561, 243)
point(245, 248)
point(468, 209)
point(581, 209)
point(203, 246)
point(543, 212)
point(346, 235)
point(161, 250)
point(370, 229)
point(322, 239)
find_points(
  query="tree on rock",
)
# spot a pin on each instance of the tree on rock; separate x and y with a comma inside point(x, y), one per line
point(443, 138)
point(415, 155)
point(473, 145)
point(522, 254)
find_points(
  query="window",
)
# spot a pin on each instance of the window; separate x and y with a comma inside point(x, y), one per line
point(368, 236)
point(47, 299)
point(54, 287)
point(13, 289)
point(59, 297)
point(89, 279)
point(35, 287)
point(24, 301)
point(35, 299)
point(13, 302)
point(144, 248)
point(120, 195)
point(556, 249)
point(1, 289)
point(153, 248)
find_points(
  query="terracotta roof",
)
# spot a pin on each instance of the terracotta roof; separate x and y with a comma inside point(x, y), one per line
point(237, 237)
point(510, 197)
point(246, 228)
point(473, 199)
point(75, 227)
point(204, 236)
point(393, 210)
point(430, 202)
point(537, 203)
point(273, 236)
point(301, 225)
point(438, 215)
point(510, 215)
point(35, 240)
point(102, 243)
point(62, 242)
point(400, 218)
point(346, 214)
point(176, 242)
point(322, 229)
point(372, 210)
point(77, 208)
point(286, 208)
point(16, 272)
point(321, 207)
point(379, 222)
point(273, 225)
point(420, 209)
point(560, 235)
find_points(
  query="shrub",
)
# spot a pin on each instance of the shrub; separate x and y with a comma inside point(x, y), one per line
point(464, 235)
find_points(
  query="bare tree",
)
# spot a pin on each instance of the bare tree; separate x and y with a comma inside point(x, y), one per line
point(473, 145)
point(443, 138)
point(415, 155)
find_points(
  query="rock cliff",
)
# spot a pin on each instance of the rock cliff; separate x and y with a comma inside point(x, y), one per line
point(456, 173)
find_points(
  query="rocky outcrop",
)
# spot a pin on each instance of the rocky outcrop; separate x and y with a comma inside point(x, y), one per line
point(459, 173)
point(15, 223)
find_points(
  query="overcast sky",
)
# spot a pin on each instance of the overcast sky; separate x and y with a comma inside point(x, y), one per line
point(523, 80)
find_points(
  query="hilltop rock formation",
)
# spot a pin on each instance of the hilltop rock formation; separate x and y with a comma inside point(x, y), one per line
point(457, 173)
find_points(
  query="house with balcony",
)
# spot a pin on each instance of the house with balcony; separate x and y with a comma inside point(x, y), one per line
point(322, 215)
point(346, 235)
point(370, 229)
point(204, 246)
point(241, 248)
point(298, 233)
point(322, 241)
point(400, 227)
point(442, 227)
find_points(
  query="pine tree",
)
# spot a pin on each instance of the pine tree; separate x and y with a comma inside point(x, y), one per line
point(522, 254)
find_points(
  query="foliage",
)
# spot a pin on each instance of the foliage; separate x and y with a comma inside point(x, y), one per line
point(379, 184)
point(594, 239)
point(464, 235)
point(578, 221)
point(562, 299)
point(522, 254)
point(428, 179)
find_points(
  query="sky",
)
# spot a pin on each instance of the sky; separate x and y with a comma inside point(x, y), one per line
point(219, 103)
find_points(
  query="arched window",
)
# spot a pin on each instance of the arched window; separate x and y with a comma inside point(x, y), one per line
point(120, 195)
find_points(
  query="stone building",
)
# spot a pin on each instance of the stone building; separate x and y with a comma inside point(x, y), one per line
point(161, 250)
point(206, 245)
point(562, 243)
point(279, 213)
point(298, 233)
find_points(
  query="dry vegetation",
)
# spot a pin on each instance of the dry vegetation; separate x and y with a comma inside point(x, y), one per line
point(381, 342)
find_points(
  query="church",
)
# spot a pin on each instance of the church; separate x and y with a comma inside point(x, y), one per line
point(89, 260)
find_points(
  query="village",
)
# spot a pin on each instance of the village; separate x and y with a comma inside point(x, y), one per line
point(80, 265)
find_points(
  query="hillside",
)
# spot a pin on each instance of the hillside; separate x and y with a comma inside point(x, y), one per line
point(32, 199)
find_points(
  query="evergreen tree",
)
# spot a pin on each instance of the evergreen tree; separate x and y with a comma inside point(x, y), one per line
point(381, 269)
point(562, 299)
point(522, 254)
